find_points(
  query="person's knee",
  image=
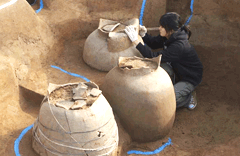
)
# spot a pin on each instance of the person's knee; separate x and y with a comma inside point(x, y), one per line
point(183, 88)
point(183, 92)
point(181, 95)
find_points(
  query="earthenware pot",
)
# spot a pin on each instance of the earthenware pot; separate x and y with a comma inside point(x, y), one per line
point(142, 95)
point(68, 126)
point(106, 44)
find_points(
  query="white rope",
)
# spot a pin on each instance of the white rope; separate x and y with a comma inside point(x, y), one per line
point(57, 153)
point(77, 148)
point(8, 4)
point(57, 120)
point(62, 154)
point(38, 141)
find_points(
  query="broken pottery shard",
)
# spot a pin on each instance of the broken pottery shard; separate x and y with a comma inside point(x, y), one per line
point(80, 95)
point(65, 104)
point(92, 85)
point(80, 85)
point(78, 104)
point(80, 92)
point(95, 92)
point(91, 100)
point(110, 27)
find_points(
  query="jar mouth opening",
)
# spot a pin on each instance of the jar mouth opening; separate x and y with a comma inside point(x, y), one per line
point(131, 63)
point(74, 96)
point(108, 26)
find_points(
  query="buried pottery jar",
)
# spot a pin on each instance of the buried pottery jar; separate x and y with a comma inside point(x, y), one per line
point(75, 119)
point(142, 95)
point(106, 44)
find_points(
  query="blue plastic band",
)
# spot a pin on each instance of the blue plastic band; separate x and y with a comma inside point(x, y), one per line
point(191, 8)
point(142, 12)
point(72, 74)
point(41, 6)
point(17, 141)
point(152, 152)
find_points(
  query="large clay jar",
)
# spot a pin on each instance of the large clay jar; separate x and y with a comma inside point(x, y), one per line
point(106, 44)
point(75, 119)
point(142, 95)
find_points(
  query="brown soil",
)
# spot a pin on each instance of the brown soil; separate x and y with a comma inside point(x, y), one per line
point(31, 42)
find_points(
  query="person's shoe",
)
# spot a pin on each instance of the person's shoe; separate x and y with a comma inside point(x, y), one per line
point(193, 102)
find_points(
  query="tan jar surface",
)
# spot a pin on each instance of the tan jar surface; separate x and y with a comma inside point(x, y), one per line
point(106, 44)
point(142, 97)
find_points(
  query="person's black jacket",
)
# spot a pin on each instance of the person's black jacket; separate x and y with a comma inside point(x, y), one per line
point(178, 51)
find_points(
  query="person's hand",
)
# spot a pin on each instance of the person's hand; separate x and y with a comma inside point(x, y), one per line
point(132, 33)
point(142, 30)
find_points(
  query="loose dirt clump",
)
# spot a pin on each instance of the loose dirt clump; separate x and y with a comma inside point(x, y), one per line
point(136, 63)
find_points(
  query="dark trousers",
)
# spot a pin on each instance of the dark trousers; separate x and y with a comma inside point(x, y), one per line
point(183, 90)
